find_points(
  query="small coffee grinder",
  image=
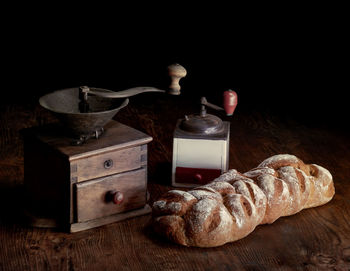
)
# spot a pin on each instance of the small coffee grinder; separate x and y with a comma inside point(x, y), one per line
point(201, 144)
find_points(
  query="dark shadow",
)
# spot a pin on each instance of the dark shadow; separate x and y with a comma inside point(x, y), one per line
point(12, 205)
point(161, 174)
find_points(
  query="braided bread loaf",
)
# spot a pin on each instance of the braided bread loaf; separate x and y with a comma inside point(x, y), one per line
point(231, 206)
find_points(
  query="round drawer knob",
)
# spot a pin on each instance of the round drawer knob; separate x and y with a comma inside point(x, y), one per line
point(116, 197)
point(108, 163)
point(198, 177)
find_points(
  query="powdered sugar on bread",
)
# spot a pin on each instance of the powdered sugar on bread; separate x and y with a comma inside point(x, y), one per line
point(173, 207)
point(277, 158)
point(231, 206)
point(186, 196)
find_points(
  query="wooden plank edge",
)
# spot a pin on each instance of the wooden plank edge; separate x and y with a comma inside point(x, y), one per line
point(76, 227)
point(109, 149)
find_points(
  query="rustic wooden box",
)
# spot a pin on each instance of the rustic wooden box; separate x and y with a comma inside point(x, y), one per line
point(81, 187)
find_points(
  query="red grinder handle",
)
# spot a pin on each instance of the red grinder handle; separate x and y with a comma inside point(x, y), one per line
point(230, 101)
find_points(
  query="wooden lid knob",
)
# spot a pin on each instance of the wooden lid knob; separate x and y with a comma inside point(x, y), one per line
point(176, 72)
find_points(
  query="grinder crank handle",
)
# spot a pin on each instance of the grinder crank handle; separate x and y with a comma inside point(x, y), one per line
point(176, 72)
point(119, 94)
point(206, 103)
point(230, 103)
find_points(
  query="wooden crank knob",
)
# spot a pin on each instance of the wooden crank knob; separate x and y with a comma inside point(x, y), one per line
point(115, 196)
point(176, 72)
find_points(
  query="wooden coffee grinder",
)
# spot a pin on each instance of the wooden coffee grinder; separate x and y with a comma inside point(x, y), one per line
point(87, 170)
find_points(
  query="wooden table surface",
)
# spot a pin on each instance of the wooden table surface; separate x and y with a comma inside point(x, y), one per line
point(314, 239)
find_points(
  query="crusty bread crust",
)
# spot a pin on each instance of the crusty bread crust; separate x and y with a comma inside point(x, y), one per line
point(232, 205)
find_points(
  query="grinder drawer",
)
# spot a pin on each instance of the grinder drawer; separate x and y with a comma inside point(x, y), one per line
point(106, 163)
point(110, 195)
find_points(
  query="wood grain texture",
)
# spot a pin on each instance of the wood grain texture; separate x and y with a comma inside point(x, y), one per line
point(314, 239)
point(119, 161)
point(80, 226)
point(91, 195)
point(55, 136)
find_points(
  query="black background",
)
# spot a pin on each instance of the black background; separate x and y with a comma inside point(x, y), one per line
point(290, 64)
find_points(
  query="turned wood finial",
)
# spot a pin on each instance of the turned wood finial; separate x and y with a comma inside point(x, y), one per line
point(176, 72)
